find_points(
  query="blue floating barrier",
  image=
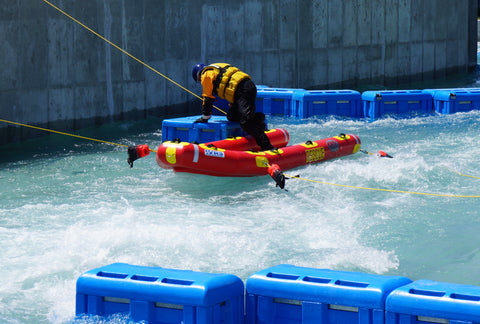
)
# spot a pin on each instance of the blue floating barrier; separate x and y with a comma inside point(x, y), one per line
point(434, 91)
point(456, 100)
point(377, 104)
point(309, 103)
point(275, 101)
point(426, 301)
point(185, 129)
point(159, 295)
point(290, 294)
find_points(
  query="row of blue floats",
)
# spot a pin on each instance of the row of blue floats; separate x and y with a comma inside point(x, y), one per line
point(301, 103)
point(283, 294)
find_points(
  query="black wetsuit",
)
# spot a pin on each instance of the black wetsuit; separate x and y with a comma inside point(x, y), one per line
point(242, 110)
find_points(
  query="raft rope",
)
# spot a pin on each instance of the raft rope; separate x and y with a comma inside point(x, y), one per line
point(66, 134)
point(127, 53)
point(385, 190)
point(383, 154)
point(463, 175)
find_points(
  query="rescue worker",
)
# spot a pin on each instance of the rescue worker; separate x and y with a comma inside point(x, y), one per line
point(228, 82)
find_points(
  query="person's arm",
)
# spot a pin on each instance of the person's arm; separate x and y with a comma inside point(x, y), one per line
point(207, 79)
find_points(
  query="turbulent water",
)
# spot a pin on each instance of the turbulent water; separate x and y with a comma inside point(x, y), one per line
point(69, 205)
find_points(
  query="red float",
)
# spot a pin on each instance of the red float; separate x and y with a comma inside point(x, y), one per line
point(237, 157)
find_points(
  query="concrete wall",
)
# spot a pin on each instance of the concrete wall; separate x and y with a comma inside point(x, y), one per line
point(58, 75)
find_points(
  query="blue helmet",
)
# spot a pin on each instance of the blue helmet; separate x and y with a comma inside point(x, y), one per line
point(197, 69)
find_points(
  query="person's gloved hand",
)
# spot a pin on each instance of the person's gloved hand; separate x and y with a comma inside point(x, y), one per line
point(203, 119)
point(207, 106)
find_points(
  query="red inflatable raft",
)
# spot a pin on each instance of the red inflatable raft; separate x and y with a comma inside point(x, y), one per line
point(237, 157)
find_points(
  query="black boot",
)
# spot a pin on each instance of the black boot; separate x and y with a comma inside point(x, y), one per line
point(264, 142)
point(257, 131)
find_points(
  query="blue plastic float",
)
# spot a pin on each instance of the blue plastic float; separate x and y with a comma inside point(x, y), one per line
point(275, 101)
point(371, 105)
point(378, 104)
point(427, 301)
point(186, 130)
point(159, 295)
point(290, 294)
point(309, 103)
point(456, 100)
point(284, 294)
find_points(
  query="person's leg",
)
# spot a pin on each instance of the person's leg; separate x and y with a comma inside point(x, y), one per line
point(260, 118)
point(249, 121)
point(232, 113)
point(258, 133)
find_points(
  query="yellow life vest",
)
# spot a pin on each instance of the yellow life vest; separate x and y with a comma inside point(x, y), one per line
point(227, 80)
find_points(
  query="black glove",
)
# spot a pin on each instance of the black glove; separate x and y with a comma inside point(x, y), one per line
point(207, 106)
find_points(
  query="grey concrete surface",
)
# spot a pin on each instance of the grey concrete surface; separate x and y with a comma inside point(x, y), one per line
point(57, 74)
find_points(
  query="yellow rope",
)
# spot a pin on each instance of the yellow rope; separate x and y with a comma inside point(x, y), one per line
point(125, 52)
point(387, 190)
point(63, 133)
point(464, 175)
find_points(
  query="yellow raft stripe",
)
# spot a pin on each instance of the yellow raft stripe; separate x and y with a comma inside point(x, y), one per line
point(343, 138)
point(356, 148)
point(171, 154)
point(262, 162)
point(386, 190)
point(212, 148)
point(310, 144)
